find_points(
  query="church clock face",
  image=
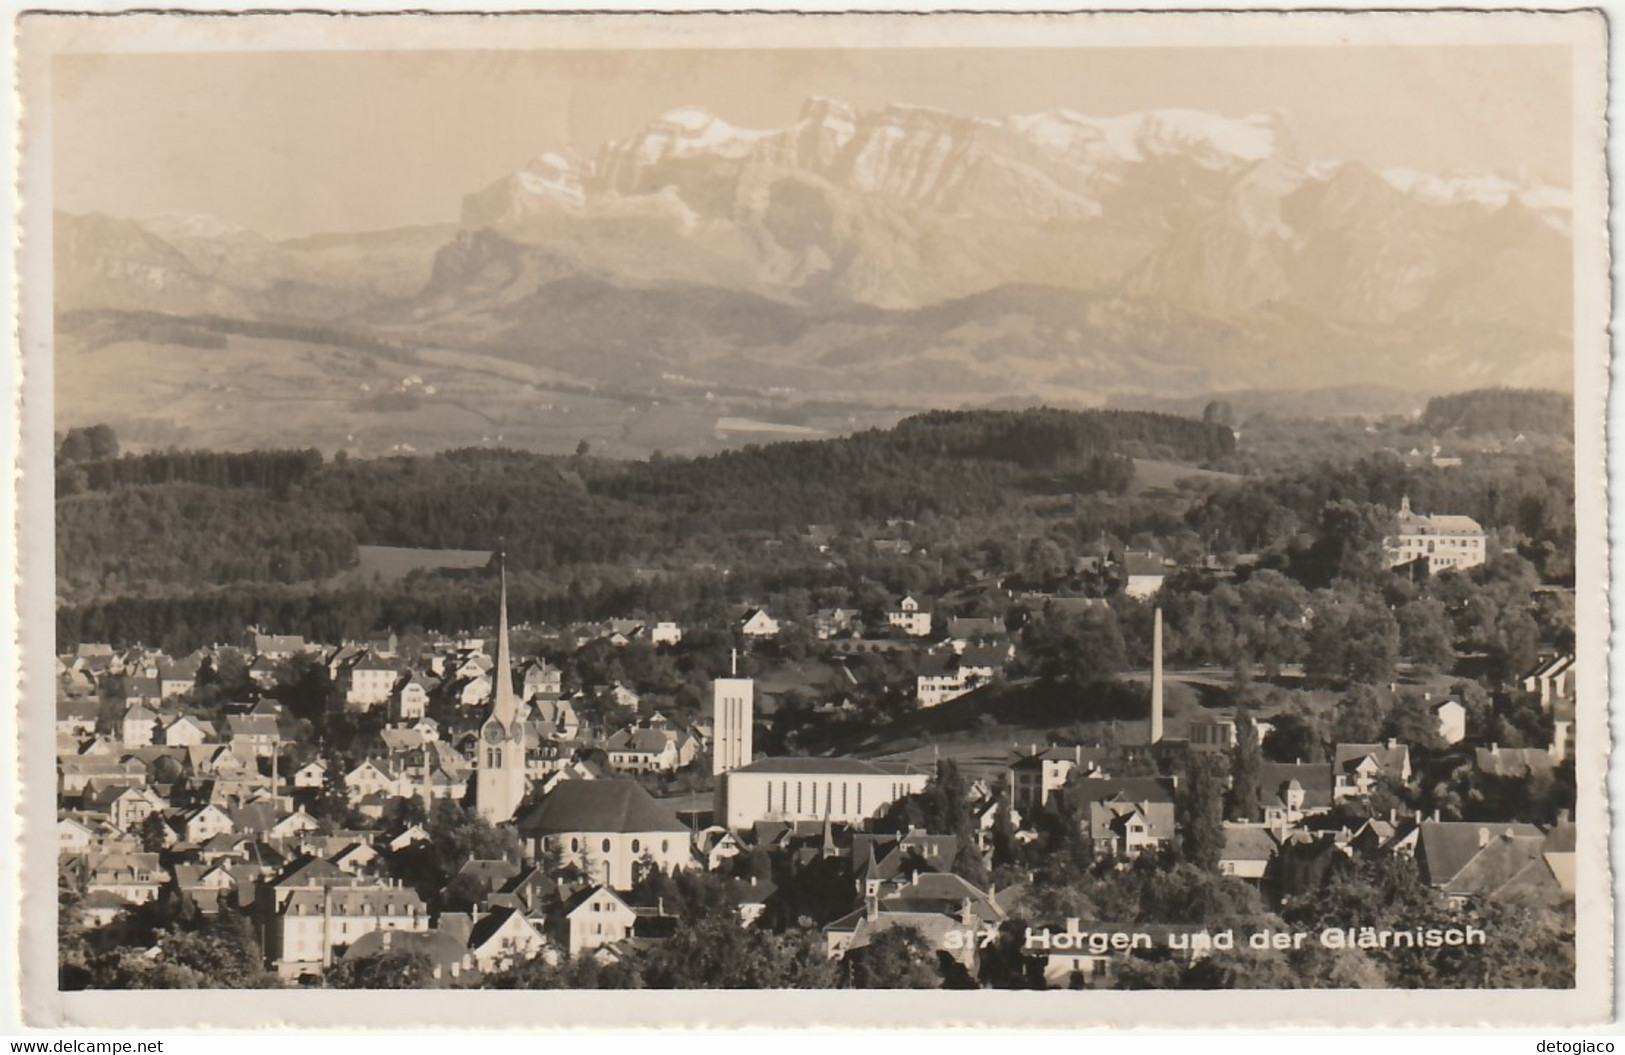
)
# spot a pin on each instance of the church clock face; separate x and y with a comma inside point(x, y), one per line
point(493, 733)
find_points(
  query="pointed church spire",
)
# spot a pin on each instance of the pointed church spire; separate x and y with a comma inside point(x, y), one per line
point(504, 707)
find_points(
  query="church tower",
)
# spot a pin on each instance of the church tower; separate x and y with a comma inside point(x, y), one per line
point(731, 720)
point(499, 765)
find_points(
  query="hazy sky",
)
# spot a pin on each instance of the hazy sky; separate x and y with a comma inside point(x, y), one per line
point(295, 143)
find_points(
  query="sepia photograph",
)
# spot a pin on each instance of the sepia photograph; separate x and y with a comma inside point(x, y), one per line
point(1072, 504)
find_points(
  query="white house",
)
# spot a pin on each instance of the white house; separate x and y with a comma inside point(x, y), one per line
point(370, 682)
point(186, 731)
point(503, 938)
point(1445, 541)
point(1452, 719)
point(910, 617)
point(137, 728)
point(597, 917)
point(757, 623)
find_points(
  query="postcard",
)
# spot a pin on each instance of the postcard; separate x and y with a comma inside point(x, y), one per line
point(1089, 519)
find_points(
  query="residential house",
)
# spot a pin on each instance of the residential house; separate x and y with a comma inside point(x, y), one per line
point(1452, 718)
point(137, 727)
point(312, 774)
point(1359, 768)
point(253, 735)
point(369, 682)
point(1552, 679)
point(410, 701)
point(186, 730)
point(1288, 792)
point(504, 937)
point(143, 690)
point(1519, 763)
point(1035, 776)
point(835, 622)
point(76, 718)
point(274, 646)
point(369, 778)
point(135, 877)
point(757, 623)
point(201, 823)
point(129, 807)
point(666, 633)
point(911, 617)
point(1126, 816)
point(178, 678)
point(446, 954)
point(1474, 860)
point(314, 911)
point(541, 681)
point(1248, 851)
point(596, 917)
point(263, 672)
point(1143, 573)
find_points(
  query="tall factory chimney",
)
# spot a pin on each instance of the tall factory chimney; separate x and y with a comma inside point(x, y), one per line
point(1156, 676)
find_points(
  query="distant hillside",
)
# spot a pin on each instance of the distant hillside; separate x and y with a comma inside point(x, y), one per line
point(1336, 401)
point(1503, 410)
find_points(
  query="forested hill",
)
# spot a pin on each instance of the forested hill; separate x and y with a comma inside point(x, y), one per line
point(162, 523)
point(1503, 410)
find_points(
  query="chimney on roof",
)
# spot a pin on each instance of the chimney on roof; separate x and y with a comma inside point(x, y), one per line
point(1483, 837)
point(1563, 816)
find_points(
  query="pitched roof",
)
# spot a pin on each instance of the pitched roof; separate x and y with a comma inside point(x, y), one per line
point(487, 926)
point(1126, 789)
point(1497, 761)
point(598, 806)
point(1391, 756)
point(1246, 842)
point(1477, 858)
point(1314, 779)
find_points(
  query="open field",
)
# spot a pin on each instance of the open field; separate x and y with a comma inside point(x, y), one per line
point(386, 565)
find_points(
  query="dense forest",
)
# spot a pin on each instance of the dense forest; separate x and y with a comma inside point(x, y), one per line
point(184, 548)
point(1502, 410)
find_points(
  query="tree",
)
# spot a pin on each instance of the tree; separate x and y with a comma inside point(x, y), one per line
point(1424, 635)
point(1084, 649)
point(1412, 721)
point(717, 953)
point(896, 958)
point(1294, 738)
point(1201, 809)
point(389, 969)
point(1245, 762)
point(155, 833)
point(1360, 715)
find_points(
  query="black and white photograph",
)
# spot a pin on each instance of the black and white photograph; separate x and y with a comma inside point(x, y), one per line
point(655, 502)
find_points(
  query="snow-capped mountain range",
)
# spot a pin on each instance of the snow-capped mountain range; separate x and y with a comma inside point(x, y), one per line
point(908, 246)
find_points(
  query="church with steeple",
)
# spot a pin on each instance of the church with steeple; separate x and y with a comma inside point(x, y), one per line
point(499, 766)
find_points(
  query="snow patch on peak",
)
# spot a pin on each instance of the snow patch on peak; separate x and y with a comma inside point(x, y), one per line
point(689, 118)
point(1141, 135)
point(1483, 189)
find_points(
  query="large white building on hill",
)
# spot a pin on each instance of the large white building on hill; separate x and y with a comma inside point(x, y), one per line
point(1444, 541)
